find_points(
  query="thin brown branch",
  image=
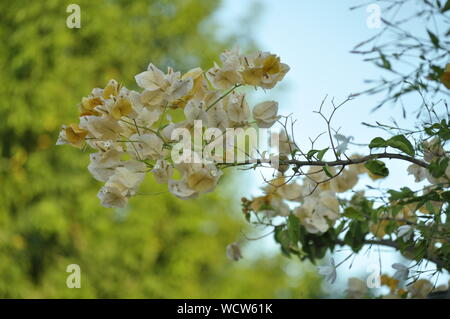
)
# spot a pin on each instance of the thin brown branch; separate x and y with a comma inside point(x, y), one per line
point(389, 243)
point(346, 162)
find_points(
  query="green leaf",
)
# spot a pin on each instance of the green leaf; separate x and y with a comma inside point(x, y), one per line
point(434, 39)
point(395, 210)
point(446, 195)
point(281, 236)
point(247, 217)
point(311, 153)
point(385, 62)
point(374, 216)
point(339, 229)
point(430, 207)
point(420, 250)
point(401, 143)
point(377, 142)
point(355, 236)
point(445, 249)
point(438, 166)
point(446, 6)
point(404, 192)
point(327, 171)
point(377, 167)
point(321, 154)
point(293, 227)
point(352, 213)
point(390, 227)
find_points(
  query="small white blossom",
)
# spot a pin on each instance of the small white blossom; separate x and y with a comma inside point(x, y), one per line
point(265, 114)
point(419, 172)
point(162, 171)
point(180, 189)
point(237, 109)
point(343, 142)
point(146, 146)
point(405, 232)
point(401, 271)
point(103, 164)
point(328, 271)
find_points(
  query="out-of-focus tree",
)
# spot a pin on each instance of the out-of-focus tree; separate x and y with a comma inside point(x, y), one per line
point(159, 246)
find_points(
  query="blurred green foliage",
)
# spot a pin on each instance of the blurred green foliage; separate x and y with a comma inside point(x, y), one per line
point(159, 247)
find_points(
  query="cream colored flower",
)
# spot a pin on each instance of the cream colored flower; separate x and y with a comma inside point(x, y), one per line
point(167, 131)
point(194, 111)
point(265, 114)
point(101, 127)
point(317, 180)
point(122, 107)
point(279, 207)
point(129, 177)
point(232, 59)
point(196, 75)
point(217, 117)
point(346, 180)
point(162, 171)
point(111, 90)
point(420, 288)
point(237, 109)
point(204, 179)
point(263, 69)
point(379, 229)
point(153, 99)
point(111, 196)
point(152, 79)
point(163, 89)
point(360, 168)
point(419, 172)
point(312, 221)
point(291, 191)
point(103, 164)
point(180, 189)
point(72, 134)
point(179, 88)
point(223, 78)
point(89, 105)
point(229, 74)
point(328, 205)
point(122, 184)
point(146, 117)
point(357, 288)
point(197, 91)
point(146, 146)
point(318, 212)
point(432, 149)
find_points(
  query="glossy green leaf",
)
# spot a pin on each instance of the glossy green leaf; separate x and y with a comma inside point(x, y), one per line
point(401, 143)
point(377, 167)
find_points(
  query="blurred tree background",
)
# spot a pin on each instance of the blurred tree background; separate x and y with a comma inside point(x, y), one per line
point(159, 247)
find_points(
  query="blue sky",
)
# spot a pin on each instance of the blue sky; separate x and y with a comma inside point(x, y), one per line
point(315, 38)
